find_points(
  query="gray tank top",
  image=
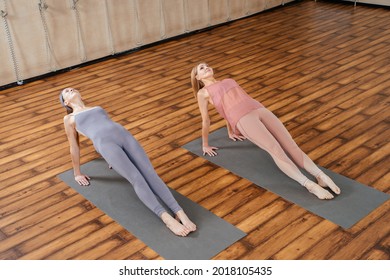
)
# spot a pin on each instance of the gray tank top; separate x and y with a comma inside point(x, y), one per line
point(95, 124)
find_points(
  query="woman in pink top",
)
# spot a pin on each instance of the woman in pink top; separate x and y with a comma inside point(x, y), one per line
point(247, 118)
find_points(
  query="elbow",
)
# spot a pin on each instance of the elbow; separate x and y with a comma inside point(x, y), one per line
point(206, 123)
point(73, 150)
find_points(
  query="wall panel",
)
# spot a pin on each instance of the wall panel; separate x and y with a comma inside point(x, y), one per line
point(149, 17)
point(49, 35)
point(23, 20)
point(219, 11)
point(237, 9)
point(196, 14)
point(123, 24)
point(173, 18)
point(254, 6)
point(62, 34)
point(374, 2)
point(93, 33)
point(273, 3)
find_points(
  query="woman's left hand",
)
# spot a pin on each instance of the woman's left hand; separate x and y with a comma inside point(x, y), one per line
point(82, 179)
point(236, 137)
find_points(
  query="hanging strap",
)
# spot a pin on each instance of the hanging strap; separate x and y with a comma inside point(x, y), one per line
point(163, 34)
point(185, 12)
point(137, 19)
point(49, 50)
point(83, 54)
point(228, 10)
point(4, 15)
point(208, 13)
point(110, 37)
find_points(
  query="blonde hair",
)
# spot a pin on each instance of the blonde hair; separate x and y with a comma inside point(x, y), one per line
point(195, 83)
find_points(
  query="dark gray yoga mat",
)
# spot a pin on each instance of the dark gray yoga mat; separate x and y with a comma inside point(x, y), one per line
point(250, 162)
point(115, 196)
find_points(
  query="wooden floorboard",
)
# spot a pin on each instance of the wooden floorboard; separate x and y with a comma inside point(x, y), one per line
point(322, 67)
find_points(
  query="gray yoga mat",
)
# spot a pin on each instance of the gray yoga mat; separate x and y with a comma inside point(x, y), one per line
point(252, 163)
point(115, 196)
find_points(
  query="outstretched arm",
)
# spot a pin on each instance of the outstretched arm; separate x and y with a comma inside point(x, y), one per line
point(203, 107)
point(74, 146)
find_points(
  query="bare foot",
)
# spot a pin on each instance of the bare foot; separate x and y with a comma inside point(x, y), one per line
point(176, 227)
point(185, 220)
point(318, 190)
point(325, 181)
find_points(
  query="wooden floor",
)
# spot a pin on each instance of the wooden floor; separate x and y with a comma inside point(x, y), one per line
point(322, 67)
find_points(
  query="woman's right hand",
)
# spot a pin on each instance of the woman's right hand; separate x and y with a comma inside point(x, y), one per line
point(209, 150)
point(236, 137)
point(82, 179)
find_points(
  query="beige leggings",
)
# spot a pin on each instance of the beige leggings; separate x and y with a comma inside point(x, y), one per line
point(265, 130)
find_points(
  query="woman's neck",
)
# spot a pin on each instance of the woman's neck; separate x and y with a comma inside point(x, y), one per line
point(78, 107)
point(209, 81)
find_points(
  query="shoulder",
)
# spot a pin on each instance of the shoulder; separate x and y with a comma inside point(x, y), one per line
point(69, 120)
point(203, 93)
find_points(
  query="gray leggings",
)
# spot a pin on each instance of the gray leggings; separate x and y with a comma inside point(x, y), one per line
point(128, 158)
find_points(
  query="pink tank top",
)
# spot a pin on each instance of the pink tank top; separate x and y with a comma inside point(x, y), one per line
point(231, 101)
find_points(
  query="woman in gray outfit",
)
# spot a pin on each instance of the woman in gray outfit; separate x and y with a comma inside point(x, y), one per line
point(124, 154)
